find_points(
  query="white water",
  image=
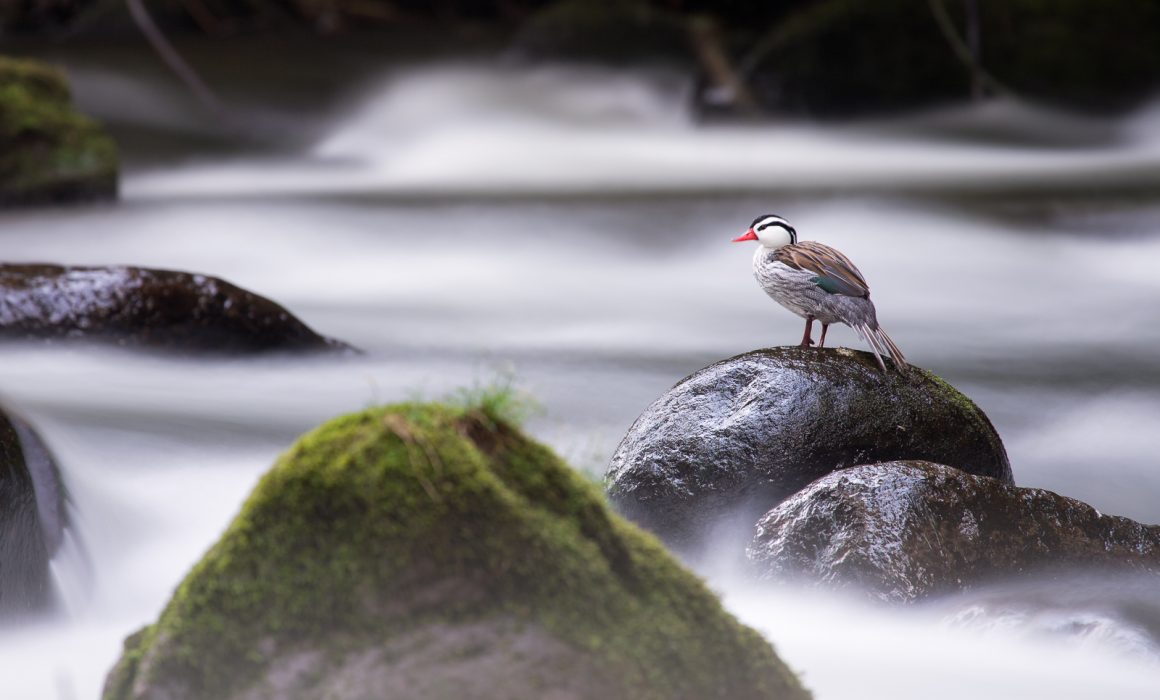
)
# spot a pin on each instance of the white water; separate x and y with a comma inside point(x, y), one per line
point(1044, 310)
point(489, 131)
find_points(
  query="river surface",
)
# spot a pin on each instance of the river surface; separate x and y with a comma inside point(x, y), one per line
point(568, 231)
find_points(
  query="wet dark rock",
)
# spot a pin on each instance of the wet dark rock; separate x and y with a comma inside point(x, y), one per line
point(148, 309)
point(32, 517)
point(427, 551)
point(734, 439)
point(904, 531)
point(49, 152)
point(841, 58)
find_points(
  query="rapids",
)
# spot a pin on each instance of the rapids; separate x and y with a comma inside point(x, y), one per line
point(570, 230)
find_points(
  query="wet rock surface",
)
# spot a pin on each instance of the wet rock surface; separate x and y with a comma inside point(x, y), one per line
point(148, 309)
point(904, 531)
point(49, 152)
point(32, 517)
point(729, 442)
point(428, 551)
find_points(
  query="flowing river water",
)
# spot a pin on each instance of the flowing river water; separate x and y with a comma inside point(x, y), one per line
point(569, 231)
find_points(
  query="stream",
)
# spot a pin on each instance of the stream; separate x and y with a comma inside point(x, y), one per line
point(568, 231)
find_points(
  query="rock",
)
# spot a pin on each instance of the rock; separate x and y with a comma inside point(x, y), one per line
point(841, 58)
point(49, 152)
point(32, 518)
point(606, 32)
point(144, 308)
point(904, 531)
point(731, 441)
point(425, 551)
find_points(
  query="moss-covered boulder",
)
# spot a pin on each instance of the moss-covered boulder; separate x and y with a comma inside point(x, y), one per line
point(839, 58)
point(32, 518)
point(48, 151)
point(734, 439)
point(422, 551)
point(905, 531)
point(149, 309)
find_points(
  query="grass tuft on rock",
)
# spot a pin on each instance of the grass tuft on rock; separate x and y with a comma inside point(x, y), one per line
point(382, 524)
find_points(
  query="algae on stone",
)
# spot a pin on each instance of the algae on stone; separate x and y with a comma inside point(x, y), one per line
point(48, 151)
point(425, 536)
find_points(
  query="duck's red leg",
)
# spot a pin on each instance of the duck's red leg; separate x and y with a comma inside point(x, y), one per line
point(822, 342)
point(806, 339)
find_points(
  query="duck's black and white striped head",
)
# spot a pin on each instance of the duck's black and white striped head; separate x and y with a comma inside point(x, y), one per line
point(771, 230)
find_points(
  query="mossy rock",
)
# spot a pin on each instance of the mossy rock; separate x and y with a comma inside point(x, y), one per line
point(424, 551)
point(48, 151)
point(906, 531)
point(734, 439)
point(840, 58)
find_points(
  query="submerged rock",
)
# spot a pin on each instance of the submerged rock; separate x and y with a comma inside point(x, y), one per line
point(903, 531)
point(421, 551)
point(32, 518)
point(731, 441)
point(144, 308)
point(49, 152)
point(1119, 613)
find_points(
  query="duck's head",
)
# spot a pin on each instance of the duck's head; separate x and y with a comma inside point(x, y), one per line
point(771, 230)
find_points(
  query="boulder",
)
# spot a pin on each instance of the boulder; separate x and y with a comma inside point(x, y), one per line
point(32, 518)
point(905, 531)
point(144, 308)
point(49, 152)
point(428, 551)
point(734, 439)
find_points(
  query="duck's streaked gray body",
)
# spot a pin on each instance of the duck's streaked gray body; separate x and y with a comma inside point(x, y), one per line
point(798, 291)
point(817, 283)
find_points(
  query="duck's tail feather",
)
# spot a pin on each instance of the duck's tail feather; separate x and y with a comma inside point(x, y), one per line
point(895, 354)
point(868, 335)
point(881, 344)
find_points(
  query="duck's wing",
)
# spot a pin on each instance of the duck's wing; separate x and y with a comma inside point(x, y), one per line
point(834, 272)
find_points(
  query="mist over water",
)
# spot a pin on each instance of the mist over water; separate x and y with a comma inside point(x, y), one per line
point(571, 229)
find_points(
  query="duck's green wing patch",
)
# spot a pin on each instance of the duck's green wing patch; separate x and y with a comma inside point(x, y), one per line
point(834, 272)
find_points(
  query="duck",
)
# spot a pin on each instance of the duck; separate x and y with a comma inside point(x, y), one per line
point(818, 283)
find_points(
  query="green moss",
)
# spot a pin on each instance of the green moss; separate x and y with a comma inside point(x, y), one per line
point(344, 539)
point(47, 150)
